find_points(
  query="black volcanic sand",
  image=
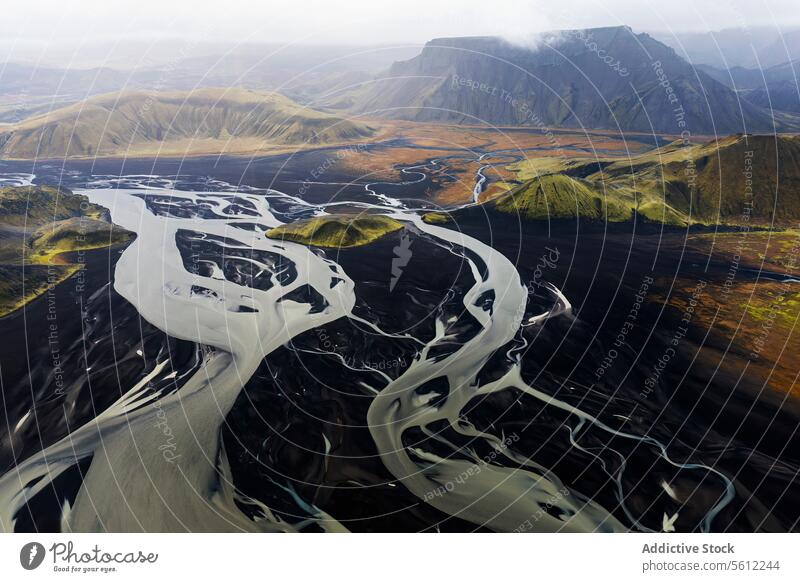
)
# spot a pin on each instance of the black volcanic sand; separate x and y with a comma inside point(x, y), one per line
point(278, 428)
point(698, 412)
point(72, 353)
point(703, 412)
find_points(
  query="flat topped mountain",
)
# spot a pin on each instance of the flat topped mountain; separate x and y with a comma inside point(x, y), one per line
point(177, 123)
point(607, 78)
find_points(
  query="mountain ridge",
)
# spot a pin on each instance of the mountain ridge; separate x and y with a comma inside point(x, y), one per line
point(735, 180)
point(175, 122)
point(604, 78)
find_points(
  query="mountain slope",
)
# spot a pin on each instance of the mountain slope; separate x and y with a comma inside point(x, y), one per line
point(557, 196)
point(775, 88)
point(738, 179)
point(597, 78)
point(753, 47)
point(564, 197)
point(37, 224)
point(779, 95)
point(734, 180)
point(202, 121)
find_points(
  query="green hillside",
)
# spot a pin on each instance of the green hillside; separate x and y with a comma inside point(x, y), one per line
point(557, 196)
point(336, 231)
point(37, 225)
point(152, 123)
point(733, 180)
point(33, 206)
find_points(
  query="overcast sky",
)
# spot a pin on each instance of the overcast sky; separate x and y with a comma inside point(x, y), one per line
point(364, 21)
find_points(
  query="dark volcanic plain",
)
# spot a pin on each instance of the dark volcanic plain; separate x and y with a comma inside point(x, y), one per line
point(706, 407)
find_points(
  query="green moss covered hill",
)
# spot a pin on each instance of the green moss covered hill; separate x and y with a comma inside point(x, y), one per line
point(336, 231)
point(37, 225)
point(146, 123)
point(733, 180)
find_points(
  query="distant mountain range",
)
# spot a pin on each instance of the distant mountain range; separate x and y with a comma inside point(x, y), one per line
point(175, 123)
point(780, 95)
point(761, 64)
point(602, 78)
point(775, 88)
point(751, 47)
point(298, 71)
point(609, 78)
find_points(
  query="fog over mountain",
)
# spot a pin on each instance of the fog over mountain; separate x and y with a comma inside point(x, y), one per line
point(754, 47)
point(608, 78)
point(601, 78)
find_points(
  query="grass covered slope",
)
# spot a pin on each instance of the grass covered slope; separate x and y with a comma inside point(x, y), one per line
point(34, 206)
point(336, 231)
point(733, 180)
point(37, 225)
point(74, 234)
point(557, 196)
point(194, 122)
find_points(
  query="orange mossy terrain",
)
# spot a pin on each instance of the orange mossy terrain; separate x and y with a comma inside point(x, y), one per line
point(755, 322)
point(453, 179)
